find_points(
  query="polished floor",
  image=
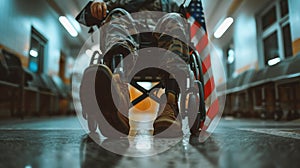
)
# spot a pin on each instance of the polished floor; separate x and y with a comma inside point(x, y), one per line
point(61, 142)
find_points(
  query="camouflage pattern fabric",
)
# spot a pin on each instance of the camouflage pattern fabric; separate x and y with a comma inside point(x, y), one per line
point(173, 34)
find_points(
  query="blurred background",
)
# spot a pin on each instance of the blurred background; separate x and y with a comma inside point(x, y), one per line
point(258, 43)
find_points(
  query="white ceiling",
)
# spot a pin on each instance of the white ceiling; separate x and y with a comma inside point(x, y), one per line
point(71, 8)
point(215, 11)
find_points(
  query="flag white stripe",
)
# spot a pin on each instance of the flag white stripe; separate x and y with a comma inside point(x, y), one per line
point(191, 20)
point(206, 76)
point(205, 52)
point(197, 37)
point(212, 98)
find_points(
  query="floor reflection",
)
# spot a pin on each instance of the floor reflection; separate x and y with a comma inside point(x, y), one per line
point(140, 145)
point(141, 150)
point(92, 154)
point(24, 145)
point(209, 150)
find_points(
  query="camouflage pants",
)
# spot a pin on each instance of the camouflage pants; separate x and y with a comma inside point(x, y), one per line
point(120, 35)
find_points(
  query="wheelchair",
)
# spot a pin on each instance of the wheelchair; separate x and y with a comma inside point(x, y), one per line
point(190, 97)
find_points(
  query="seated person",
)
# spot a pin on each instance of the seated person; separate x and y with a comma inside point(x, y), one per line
point(117, 40)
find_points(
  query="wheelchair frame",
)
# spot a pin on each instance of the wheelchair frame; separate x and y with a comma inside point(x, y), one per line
point(189, 94)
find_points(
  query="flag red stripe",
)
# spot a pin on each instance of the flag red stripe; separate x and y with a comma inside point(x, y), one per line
point(213, 109)
point(197, 24)
point(212, 112)
point(209, 87)
point(206, 64)
point(194, 29)
point(188, 15)
point(202, 43)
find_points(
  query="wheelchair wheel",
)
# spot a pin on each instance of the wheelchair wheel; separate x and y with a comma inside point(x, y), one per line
point(194, 122)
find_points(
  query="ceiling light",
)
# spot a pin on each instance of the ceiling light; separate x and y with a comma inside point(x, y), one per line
point(273, 61)
point(68, 26)
point(33, 53)
point(223, 27)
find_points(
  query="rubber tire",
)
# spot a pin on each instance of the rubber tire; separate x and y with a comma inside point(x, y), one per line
point(193, 107)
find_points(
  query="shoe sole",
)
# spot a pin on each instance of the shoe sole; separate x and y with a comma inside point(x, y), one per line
point(103, 89)
point(166, 128)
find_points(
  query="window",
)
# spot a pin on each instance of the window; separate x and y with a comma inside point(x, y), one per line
point(36, 52)
point(287, 40)
point(271, 47)
point(284, 8)
point(275, 32)
point(269, 18)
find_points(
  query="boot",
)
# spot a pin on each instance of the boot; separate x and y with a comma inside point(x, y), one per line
point(167, 125)
point(113, 100)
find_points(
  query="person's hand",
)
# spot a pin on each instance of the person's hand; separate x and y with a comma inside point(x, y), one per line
point(98, 10)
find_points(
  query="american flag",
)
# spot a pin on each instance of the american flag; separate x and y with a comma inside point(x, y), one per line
point(199, 38)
